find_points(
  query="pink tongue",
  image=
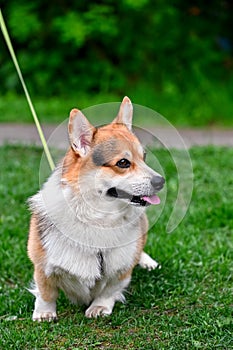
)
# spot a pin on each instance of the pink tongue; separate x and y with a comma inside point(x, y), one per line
point(152, 199)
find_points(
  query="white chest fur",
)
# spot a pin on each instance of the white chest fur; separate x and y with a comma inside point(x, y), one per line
point(83, 243)
point(87, 263)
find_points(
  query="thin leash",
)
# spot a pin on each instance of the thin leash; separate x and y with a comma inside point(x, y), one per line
point(36, 120)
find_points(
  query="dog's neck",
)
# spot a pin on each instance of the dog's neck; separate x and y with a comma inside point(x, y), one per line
point(96, 210)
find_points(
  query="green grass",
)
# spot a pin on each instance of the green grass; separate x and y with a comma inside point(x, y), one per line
point(202, 105)
point(185, 305)
point(50, 110)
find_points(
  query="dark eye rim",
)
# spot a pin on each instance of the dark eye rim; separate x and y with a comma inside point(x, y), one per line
point(123, 163)
point(144, 155)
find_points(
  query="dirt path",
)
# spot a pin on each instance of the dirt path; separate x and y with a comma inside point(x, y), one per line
point(171, 138)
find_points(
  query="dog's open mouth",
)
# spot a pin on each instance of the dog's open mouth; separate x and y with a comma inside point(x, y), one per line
point(136, 200)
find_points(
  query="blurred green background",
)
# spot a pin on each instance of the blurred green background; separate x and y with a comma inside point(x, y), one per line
point(173, 56)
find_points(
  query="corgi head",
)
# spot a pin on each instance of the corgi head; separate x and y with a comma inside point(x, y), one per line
point(107, 163)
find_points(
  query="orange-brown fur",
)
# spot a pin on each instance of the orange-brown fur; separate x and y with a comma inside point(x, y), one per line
point(74, 166)
point(47, 285)
point(35, 250)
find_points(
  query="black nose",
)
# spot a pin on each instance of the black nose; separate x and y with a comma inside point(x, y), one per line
point(157, 182)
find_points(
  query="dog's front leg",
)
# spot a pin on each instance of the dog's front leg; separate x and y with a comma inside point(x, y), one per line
point(46, 294)
point(104, 302)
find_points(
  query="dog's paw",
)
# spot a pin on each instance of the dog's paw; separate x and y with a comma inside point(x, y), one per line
point(96, 310)
point(44, 316)
point(146, 262)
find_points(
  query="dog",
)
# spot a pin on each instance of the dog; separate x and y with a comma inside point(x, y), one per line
point(88, 226)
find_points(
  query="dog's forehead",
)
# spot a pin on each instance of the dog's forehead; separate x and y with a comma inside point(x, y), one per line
point(109, 149)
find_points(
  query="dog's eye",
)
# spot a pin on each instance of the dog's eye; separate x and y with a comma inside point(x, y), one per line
point(123, 163)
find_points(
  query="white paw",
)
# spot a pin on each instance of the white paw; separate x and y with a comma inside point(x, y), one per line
point(44, 316)
point(44, 310)
point(146, 262)
point(96, 310)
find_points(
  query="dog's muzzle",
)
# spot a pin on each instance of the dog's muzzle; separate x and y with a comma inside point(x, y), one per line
point(117, 193)
point(157, 183)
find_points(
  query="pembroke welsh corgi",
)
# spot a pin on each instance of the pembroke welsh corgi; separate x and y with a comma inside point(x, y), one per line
point(88, 225)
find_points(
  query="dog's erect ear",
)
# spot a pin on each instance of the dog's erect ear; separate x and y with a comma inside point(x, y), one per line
point(125, 114)
point(80, 132)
